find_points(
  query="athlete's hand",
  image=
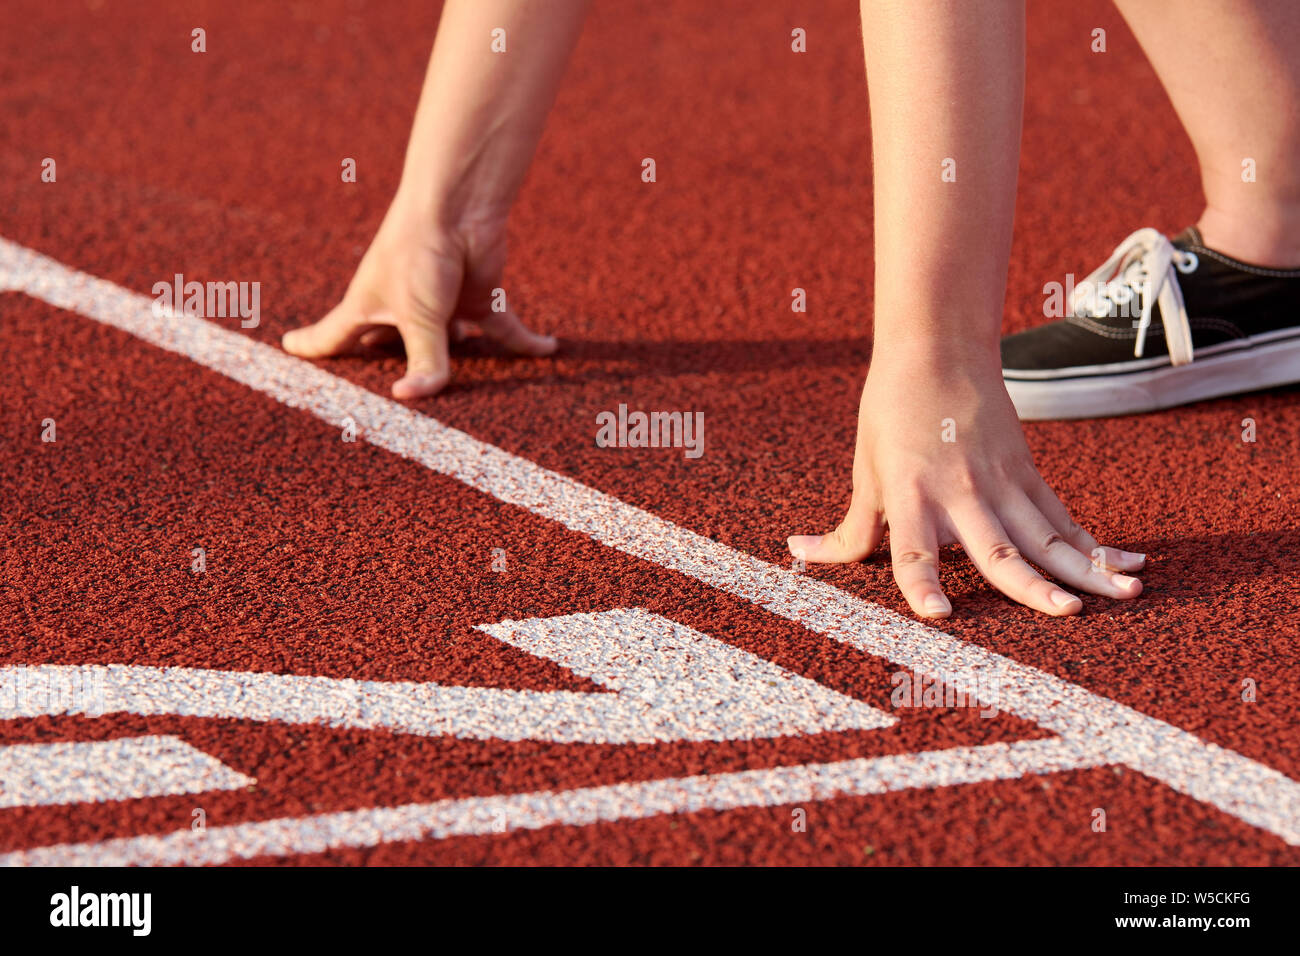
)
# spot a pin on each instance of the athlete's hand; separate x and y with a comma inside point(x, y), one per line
point(979, 489)
point(429, 285)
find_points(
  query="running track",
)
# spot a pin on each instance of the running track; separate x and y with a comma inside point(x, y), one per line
point(337, 686)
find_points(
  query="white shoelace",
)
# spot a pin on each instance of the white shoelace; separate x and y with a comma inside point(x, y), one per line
point(1148, 265)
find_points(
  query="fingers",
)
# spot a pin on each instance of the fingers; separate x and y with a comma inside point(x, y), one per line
point(509, 331)
point(856, 537)
point(914, 548)
point(428, 363)
point(991, 549)
point(428, 367)
point(381, 336)
point(337, 332)
point(1040, 541)
point(1111, 559)
point(479, 303)
point(1000, 543)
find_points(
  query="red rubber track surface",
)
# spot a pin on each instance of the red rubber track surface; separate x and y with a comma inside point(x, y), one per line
point(342, 560)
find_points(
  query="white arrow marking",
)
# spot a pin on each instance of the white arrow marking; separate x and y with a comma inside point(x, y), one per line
point(1235, 784)
point(670, 683)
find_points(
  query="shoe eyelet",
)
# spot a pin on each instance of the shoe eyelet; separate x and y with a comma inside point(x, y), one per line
point(1188, 264)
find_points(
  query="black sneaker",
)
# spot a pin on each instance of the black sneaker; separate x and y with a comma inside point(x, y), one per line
point(1160, 324)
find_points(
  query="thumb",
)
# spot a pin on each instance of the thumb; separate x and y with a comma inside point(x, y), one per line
point(857, 536)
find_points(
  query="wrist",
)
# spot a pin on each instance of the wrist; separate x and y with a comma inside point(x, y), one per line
point(937, 356)
point(443, 202)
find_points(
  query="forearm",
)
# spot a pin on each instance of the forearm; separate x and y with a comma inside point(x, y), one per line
point(946, 82)
point(481, 112)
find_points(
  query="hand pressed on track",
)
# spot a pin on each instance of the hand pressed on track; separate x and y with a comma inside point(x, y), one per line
point(980, 490)
point(428, 285)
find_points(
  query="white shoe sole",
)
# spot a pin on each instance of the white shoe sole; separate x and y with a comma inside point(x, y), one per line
point(1148, 390)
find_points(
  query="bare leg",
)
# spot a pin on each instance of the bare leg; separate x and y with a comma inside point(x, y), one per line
point(1232, 70)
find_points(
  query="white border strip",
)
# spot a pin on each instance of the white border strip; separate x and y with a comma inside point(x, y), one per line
point(124, 768)
point(477, 816)
point(1091, 723)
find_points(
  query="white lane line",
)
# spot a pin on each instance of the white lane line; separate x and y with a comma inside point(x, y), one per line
point(474, 816)
point(670, 683)
point(126, 768)
point(1235, 784)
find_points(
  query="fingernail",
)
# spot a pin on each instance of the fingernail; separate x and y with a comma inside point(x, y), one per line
point(937, 604)
point(422, 383)
point(1063, 599)
point(800, 543)
point(408, 389)
point(1126, 582)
